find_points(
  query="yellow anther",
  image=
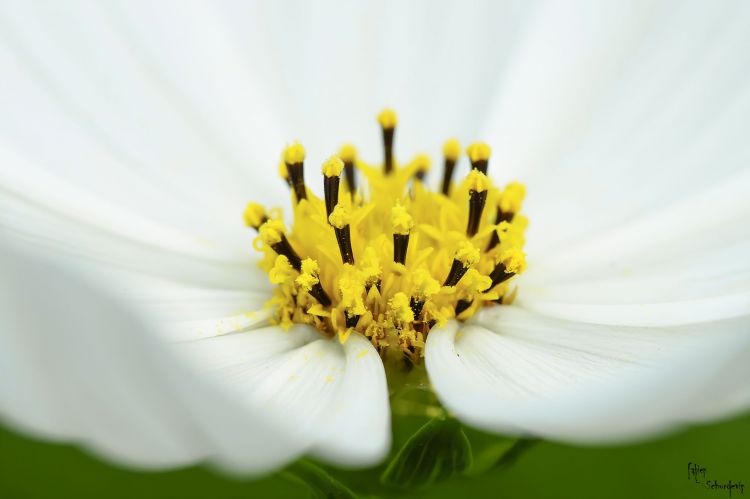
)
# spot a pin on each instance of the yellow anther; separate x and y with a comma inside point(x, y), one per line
point(340, 216)
point(474, 282)
point(309, 275)
point(387, 118)
point(514, 260)
point(282, 271)
point(512, 197)
point(294, 153)
point(352, 287)
point(283, 170)
point(478, 151)
point(348, 153)
point(401, 220)
point(452, 149)
point(400, 309)
point(478, 181)
point(271, 232)
point(254, 215)
point(424, 284)
point(422, 162)
point(370, 265)
point(467, 254)
point(333, 166)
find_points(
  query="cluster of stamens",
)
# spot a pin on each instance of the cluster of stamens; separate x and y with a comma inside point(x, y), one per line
point(395, 259)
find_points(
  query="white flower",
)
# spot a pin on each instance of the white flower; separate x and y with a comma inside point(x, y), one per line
point(134, 133)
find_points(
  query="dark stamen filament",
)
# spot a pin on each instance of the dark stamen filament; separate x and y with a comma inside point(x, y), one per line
point(476, 206)
point(319, 294)
point(499, 275)
point(284, 248)
point(462, 305)
point(456, 272)
point(344, 238)
point(500, 217)
point(481, 165)
point(331, 190)
point(400, 245)
point(416, 305)
point(351, 320)
point(388, 149)
point(450, 165)
point(351, 181)
point(297, 180)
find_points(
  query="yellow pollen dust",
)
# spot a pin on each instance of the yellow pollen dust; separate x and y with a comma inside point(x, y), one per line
point(340, 216)
point(394, 258)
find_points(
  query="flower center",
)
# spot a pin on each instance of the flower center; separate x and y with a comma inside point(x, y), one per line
point(392, 259)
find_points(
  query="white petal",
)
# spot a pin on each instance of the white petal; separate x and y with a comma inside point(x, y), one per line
point(680, 265)
point(514, 372)
point(78, 368)
point(612, 112)
point(331, 396)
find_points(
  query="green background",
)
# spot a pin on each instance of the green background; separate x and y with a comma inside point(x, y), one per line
point(658, 468)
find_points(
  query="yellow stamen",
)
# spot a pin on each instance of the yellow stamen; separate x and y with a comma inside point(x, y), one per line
point(340, 217)
point(514, 260)
point(467, 254)
point(282, 271)
point(309, 275)
point(401, 220)
point(478, 181)
point(478, 151)
point(387, 118)
point(348, 153)
point(512, 197)
point(452, 149)
point(254, 215)
point(272, 231)
point(294, 153)
point(333, 166)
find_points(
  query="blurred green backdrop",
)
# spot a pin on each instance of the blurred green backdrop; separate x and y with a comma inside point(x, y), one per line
point(34, 469)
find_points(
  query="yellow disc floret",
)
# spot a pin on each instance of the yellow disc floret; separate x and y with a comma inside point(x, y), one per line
point(378, 253)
